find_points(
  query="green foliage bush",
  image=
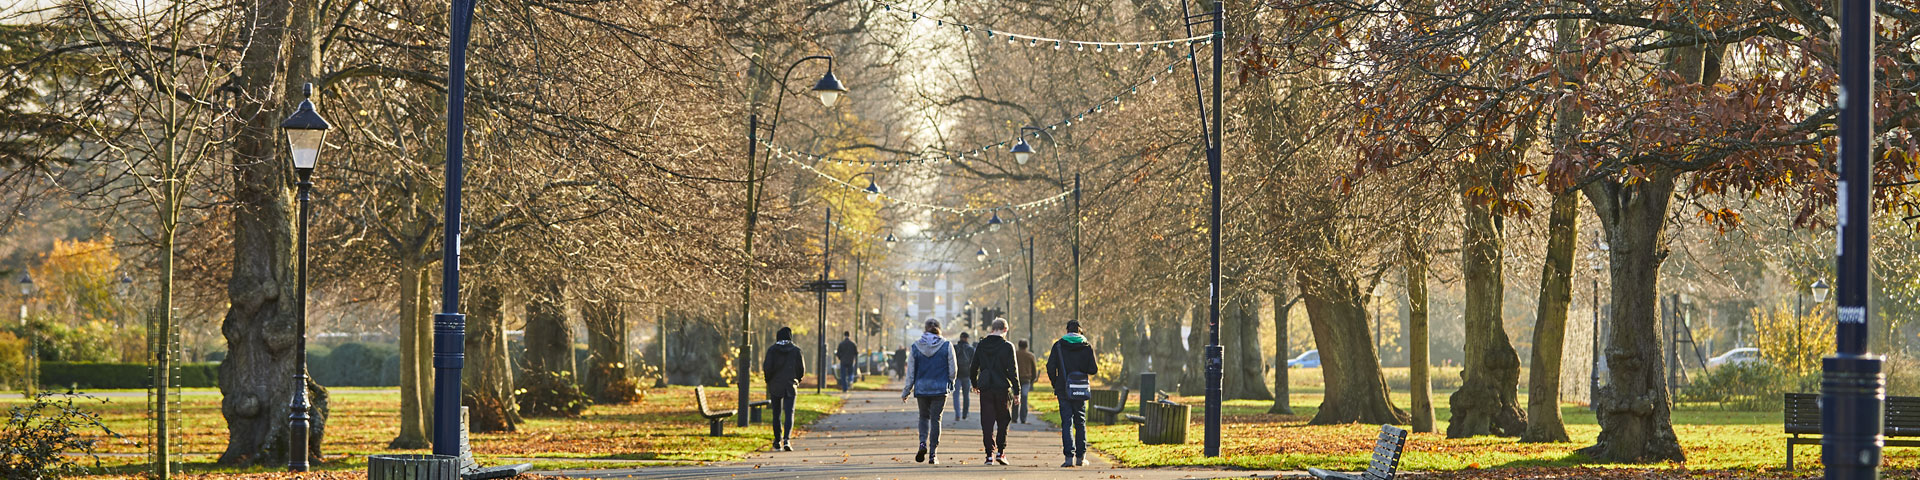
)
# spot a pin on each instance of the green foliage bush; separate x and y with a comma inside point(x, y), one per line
point(123, 375)
point(45, 439)
point(543, 394)
point(355, 364)
point(1443, 378)
point(1751, 386)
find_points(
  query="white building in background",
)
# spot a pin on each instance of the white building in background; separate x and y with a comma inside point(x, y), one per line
point(934, 297)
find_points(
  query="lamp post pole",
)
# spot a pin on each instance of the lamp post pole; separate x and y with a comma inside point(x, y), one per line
point(1210, 131)
point(1593, 380)
point(826, 272)
point(1854, 387)
point(829, 89)
point(306, 135)
point(1030, 312)
point(32, 357)
point(450, 326)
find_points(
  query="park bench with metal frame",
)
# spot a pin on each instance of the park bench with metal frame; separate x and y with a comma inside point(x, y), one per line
point(1109, 414)
point(1386, 458)
point(1802, 412)
point(715, 418)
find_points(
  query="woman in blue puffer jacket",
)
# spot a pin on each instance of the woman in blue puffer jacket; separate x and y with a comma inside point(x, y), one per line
point(931, 367)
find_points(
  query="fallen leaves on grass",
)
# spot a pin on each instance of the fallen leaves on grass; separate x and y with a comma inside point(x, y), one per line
point(1594, 473)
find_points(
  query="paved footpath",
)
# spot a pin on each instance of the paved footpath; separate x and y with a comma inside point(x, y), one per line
point(875, 436)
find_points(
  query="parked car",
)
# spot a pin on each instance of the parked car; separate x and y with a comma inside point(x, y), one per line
point(1738, 356)
point(1311, 359)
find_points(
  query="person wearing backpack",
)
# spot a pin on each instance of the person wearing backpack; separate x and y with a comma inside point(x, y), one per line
point(931, 368)
point(962, 398)
point(783, 368)
point(997, 379)
point(1070, 367)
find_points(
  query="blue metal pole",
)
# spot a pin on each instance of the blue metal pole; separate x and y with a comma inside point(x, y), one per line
point(1854, 386)
point(449, 326)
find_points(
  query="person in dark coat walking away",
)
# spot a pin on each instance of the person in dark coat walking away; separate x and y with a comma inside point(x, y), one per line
point(899, 362)
point(783, 369)
point(1024, 358)
point(997, 379)
point(962, 399)
point(1070, 363)
point(847, 352)
point(931, 367)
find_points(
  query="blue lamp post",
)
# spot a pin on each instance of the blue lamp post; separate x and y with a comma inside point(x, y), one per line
point(1853, 390)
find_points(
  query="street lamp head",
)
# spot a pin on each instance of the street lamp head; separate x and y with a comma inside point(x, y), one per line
point(903, 285)
point(890, 241)
point(1022, 151)
point(126, 284)
point(980, 255)
point(1820, 290)
point(873, 190)
point(26, 284)
point(993, 224)
point(306, 132)
point(829, 89)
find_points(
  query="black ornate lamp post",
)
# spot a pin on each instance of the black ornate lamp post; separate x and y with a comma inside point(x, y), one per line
point(1022, 151)
point(828, 90)
point(306, 134)
point(33, 340)
point(1593, 380)
point(1210, 131)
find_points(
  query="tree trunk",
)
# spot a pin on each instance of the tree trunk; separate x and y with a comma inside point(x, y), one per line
point(1356, 388)
point(1419, 359)
point(549, 342)
point(1245, 379)
point(260, 327)
point(1550, 328)
point(487, 380)
point(1195, 383)
point(607, 352)
point(1282, 396)
point(413, 423)
point(1170, 356)
point(1487, 402)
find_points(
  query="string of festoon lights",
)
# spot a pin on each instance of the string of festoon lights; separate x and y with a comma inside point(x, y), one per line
point(927, 237)
point(1037, 42)
point(875, 192)
point(1003, 277)
point(1116, 101)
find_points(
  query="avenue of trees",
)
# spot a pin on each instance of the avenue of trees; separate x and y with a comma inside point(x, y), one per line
point(1459, 164)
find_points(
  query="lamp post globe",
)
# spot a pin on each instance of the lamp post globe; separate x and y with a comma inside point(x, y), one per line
point(829, 89)
point(890, 241)
point(980, 255)
point(873, 190)
point(993, 224)
point(1022, 151)
point(26, 285)
point(306, 133)
point(1820, 290)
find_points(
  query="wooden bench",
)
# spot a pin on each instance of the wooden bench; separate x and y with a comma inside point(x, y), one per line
point(715, 424)
point(1803, 418)
point(1107, 405)
point(1386, 458)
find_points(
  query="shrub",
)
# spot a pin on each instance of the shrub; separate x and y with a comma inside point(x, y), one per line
point(13, 360)
point(42, 438)
point(123, 375)
point(1750, 386)
point(355, 364)
point(1443, 378)
point(544, 394)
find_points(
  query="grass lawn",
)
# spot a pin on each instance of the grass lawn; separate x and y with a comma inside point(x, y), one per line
point(663, 428)
point(1714, 439)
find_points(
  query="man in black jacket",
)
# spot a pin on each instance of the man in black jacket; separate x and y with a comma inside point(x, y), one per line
point(1071, 356)
point(783, 369)
point(963, 350)
point(846, 353)
point(997, 379)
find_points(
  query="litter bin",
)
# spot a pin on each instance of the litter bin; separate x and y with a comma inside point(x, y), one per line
point(1166, 423)
point(413, 467)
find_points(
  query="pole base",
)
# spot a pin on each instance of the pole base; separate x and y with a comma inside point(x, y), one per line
point(1852, 415)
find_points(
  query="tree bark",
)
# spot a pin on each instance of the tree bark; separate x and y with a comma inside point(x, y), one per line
point(1282, 395)
point(260, 327)
point(1550, 328)
point(1170, 357)
point(1419, 359)
point(1356, 388)
point(1195, 383)
point(413, 423)
point(1487, 402)
point(487, 380)
point(1244, 376)
point(549, 342)
point(606, 352)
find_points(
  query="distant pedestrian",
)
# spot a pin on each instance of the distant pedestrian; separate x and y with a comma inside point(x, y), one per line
point(997, 378)
point(847, 353)
point(933, 367)
point(1027, 376)
point(962, 399)
point(899, 363)
point(783, 369)
point(1070, 366)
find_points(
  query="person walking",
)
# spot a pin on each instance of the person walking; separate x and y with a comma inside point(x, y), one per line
point(997, 379)
point(1024, 358)
point(899, 363)
point(846, 352)
point(1070, 365)
point(783, 368)
point(931, 367)
point(962, 400)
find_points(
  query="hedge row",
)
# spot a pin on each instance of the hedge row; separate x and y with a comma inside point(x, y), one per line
point(122, 375)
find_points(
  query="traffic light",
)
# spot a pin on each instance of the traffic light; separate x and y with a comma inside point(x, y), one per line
point(969, 318)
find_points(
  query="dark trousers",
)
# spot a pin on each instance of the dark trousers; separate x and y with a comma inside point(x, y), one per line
point(782, 417)
point(962, 397)
point(846, 376)
point(1073, 428)
point(930, 406)
point(995, 414)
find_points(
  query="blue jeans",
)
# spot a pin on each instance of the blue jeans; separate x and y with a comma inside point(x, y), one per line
point(1073, 428)
point(930, 419)
point(782, 417)
point(846, 376)
point(1020, 413)
point(962, 397)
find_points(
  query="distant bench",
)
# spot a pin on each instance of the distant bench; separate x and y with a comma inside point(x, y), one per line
point(1108, 404)
point(1803, 418)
